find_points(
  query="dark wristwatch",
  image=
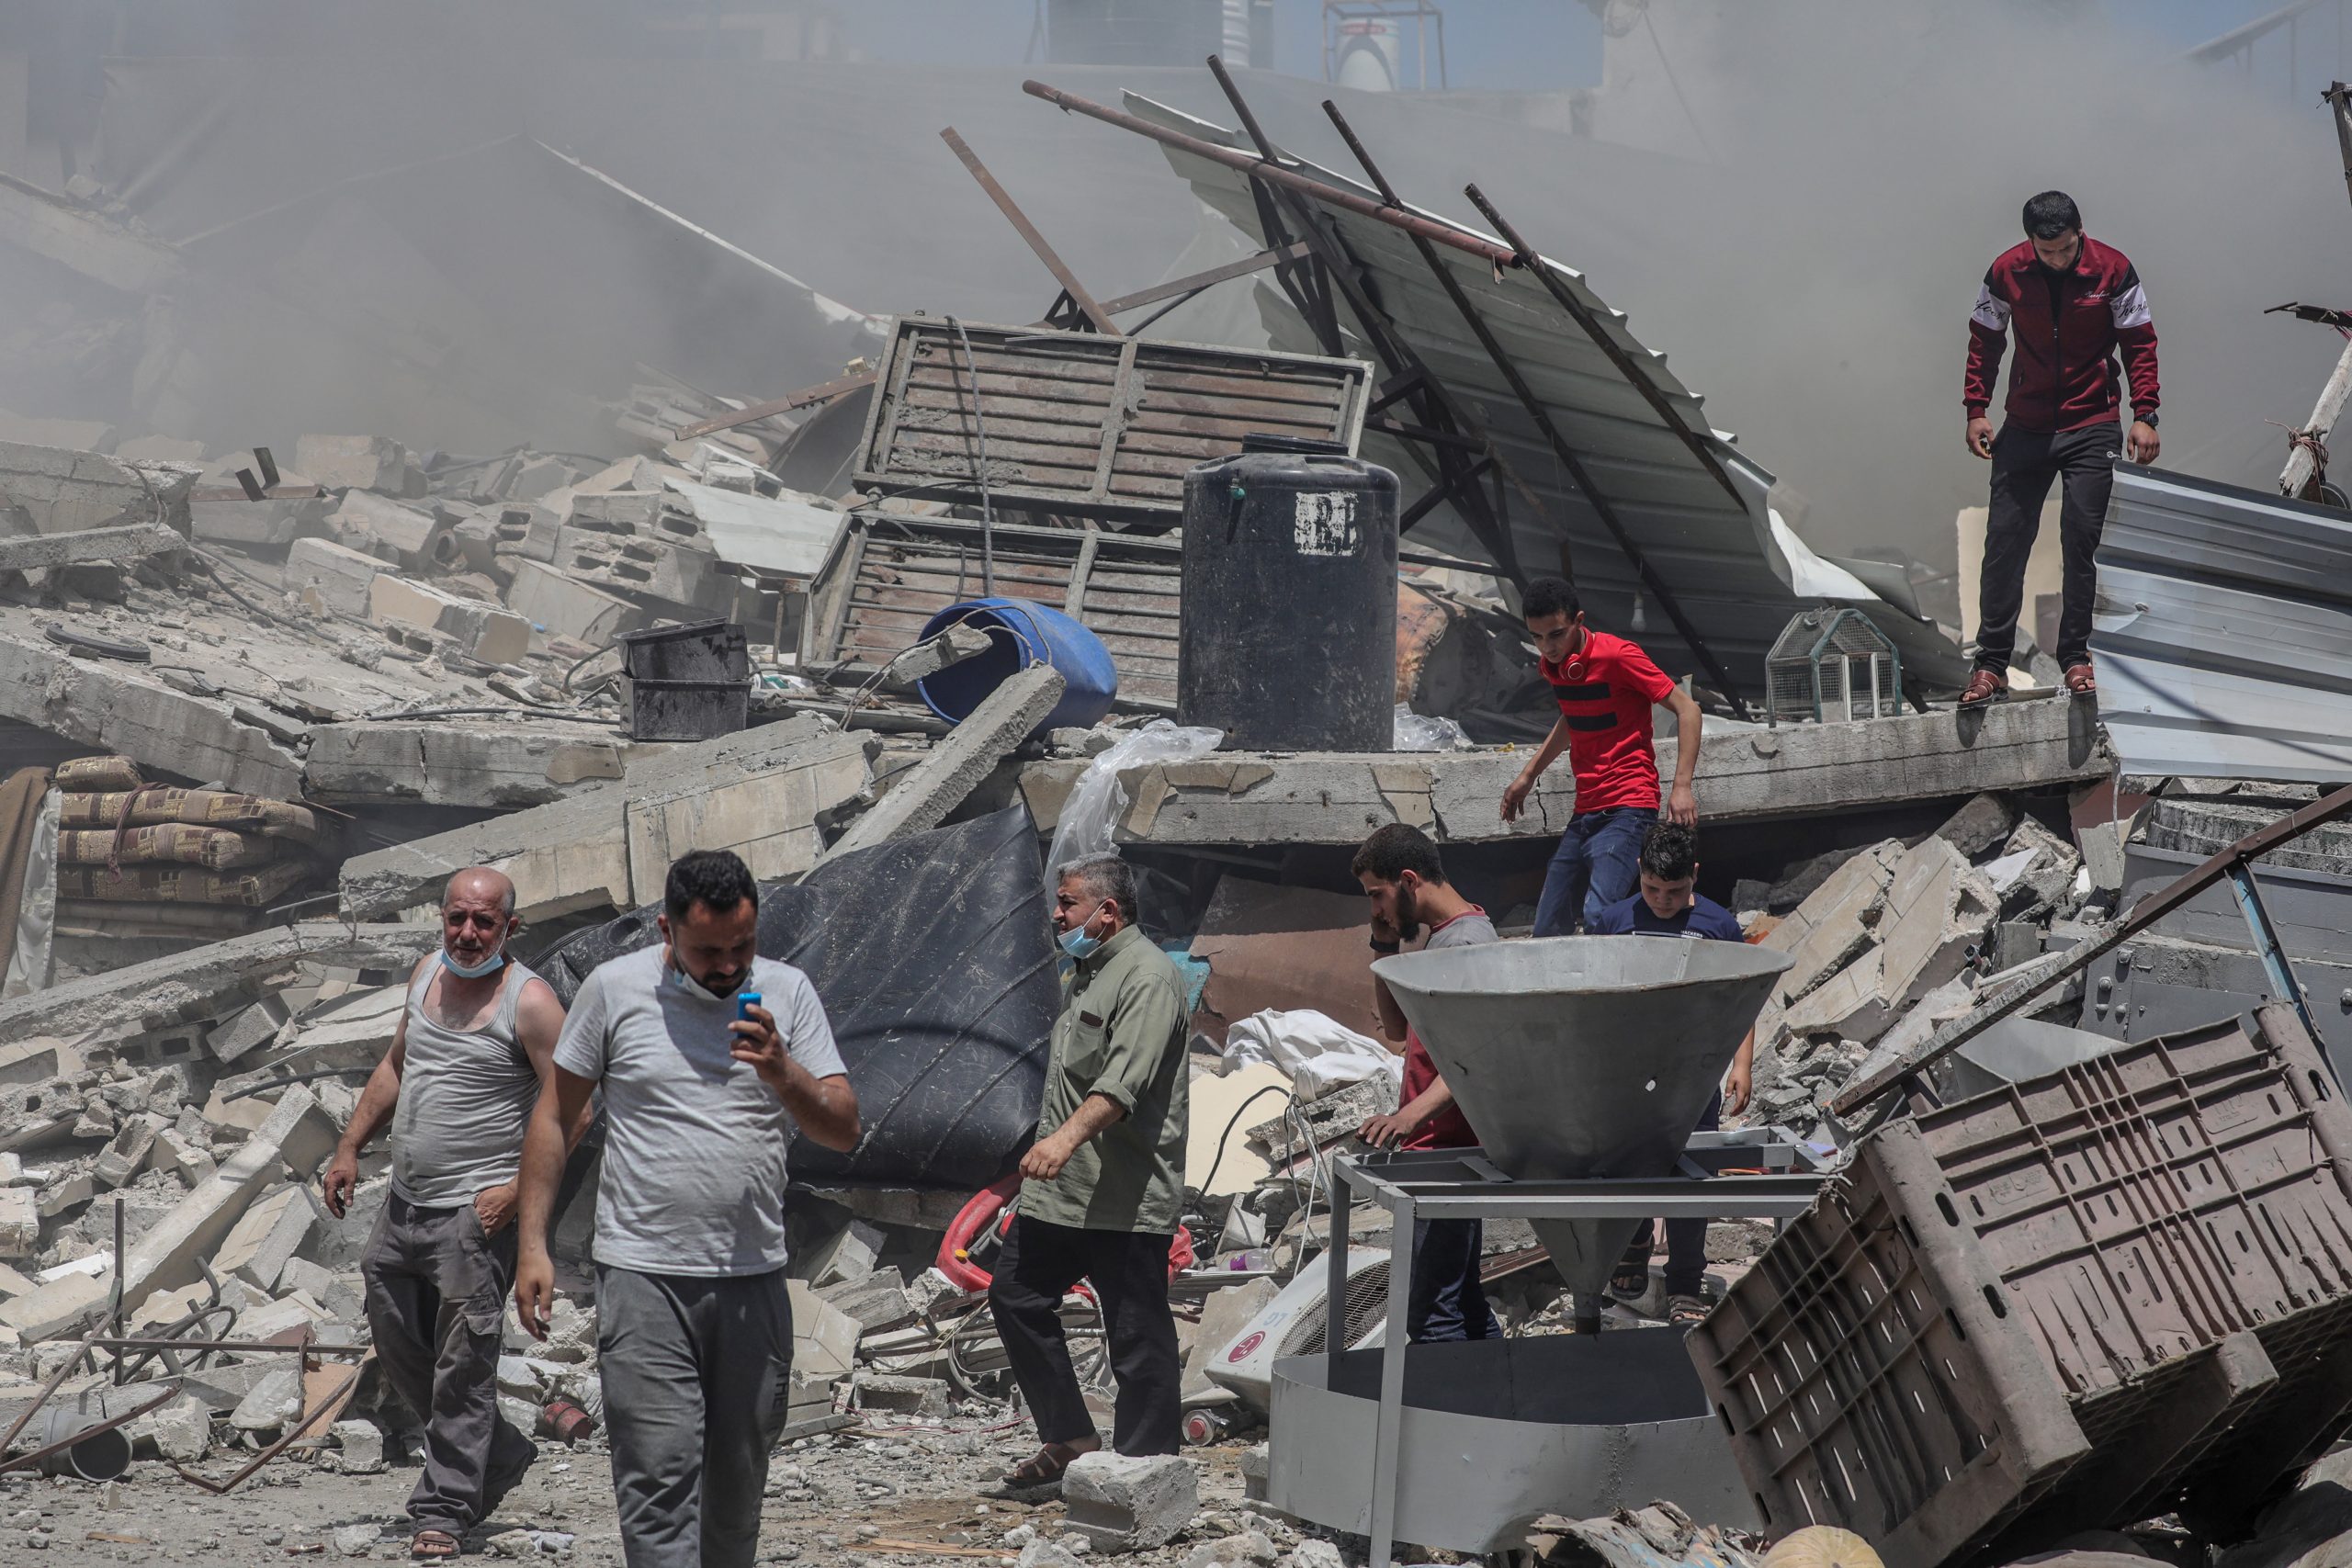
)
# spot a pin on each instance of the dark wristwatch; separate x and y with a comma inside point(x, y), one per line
point(2148, 419)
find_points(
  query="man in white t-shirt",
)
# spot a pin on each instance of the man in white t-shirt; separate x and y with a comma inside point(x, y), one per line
point(701, 1097)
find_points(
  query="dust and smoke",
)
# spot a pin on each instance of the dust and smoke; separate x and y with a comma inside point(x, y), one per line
point(1796, 198)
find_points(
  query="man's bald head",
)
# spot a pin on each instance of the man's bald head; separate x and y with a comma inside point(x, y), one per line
point(477, 916)
point(478, 884)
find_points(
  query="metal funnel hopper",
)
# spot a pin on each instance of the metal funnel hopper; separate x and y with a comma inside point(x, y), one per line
point(1584, 1055)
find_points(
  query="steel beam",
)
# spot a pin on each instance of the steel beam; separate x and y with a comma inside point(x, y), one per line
point(1028, 233)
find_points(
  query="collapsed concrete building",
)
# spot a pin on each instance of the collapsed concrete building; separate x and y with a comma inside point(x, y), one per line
point(261, 702)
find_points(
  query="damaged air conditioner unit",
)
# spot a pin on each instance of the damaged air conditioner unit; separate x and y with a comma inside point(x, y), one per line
point(1293, 1325)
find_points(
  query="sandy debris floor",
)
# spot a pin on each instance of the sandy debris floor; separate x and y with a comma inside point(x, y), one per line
point(829, 1498)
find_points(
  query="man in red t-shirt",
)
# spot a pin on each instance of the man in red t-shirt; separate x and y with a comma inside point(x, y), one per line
point(1606, 687)
point(1401, 873)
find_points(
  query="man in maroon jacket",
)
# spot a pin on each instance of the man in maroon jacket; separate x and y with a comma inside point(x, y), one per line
point(2074, 302)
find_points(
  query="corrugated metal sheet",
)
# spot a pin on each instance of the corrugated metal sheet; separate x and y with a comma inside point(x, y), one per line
point(2223, 632)
point(1735, 567)
point(1075, 424)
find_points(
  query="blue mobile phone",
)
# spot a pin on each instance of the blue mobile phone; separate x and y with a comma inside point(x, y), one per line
point(744, 1002)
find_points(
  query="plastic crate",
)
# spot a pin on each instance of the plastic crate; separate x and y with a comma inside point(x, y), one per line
point(706, 652)
point(2073, 1303)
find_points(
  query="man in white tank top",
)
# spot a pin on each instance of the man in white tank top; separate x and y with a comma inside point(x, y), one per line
point(467, 1062)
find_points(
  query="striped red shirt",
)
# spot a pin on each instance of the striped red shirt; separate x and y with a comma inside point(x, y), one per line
point(1606, 691)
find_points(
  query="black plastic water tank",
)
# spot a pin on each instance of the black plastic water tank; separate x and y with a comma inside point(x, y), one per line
point(1288, 641)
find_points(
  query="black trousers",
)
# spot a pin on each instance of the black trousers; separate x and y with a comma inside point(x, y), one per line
point(1686, 1240)
point(1449, 1300)
point(2025, 463)
point(1128, 1270)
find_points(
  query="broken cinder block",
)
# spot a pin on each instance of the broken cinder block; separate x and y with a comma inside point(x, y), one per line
point(1130, 1503)
point(484, 631)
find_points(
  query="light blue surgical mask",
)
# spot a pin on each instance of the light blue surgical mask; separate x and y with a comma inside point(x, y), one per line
point(491, 966)
point(694, 988)
point(1075, 942)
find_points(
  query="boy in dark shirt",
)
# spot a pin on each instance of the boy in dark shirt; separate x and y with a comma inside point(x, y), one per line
point(1670, 905)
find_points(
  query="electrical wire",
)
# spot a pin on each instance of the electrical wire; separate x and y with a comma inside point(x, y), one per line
point(1234, 1121)
point(980, 470)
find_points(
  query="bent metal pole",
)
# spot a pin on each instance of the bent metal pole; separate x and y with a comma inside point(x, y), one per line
point(1432, 228)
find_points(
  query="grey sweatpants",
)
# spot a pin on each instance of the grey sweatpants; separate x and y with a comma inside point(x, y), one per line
point(436, 1298)
point(697, 1382)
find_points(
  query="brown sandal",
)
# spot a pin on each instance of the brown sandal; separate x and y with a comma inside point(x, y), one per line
point(2081, 681)
point(1686, 1312)
point(1045, 1466)
point(1985, 686)
point(433, 1546)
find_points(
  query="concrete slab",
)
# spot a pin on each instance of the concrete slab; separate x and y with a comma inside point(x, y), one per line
point(758, 793)
point(135, 542)
point(1851, 1003)
point(205, 982)
point(125, 709)
point(267, 1236)
point(1749, 775)
point(1940, 914)
point(507, 766)
point(923, 795)
point(62, 491)
point(1836, 923)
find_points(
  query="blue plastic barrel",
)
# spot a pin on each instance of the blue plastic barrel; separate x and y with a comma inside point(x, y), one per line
point(1022, 632)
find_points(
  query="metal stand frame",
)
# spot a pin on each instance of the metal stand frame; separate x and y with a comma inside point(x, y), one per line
point(1462, 1184)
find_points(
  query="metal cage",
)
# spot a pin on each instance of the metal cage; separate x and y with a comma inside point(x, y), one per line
point(1830, 665)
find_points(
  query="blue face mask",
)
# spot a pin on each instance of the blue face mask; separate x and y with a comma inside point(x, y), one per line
point(491, 966)
point(1075, 942)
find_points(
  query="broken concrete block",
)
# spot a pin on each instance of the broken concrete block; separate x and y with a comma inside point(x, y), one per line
point(67, 1192)
point(636, 564)
point(1941, 911)
point(351, 462)
point(847, 1255)
point(402, 535)
point(1130, 1503)
point(311, 1279)
point(180, 1432)
point(486, 632)
point(898, 1395)
point(1835, 926)
point(566, 607)
point(20, 1222)
point(160, 449)
point(182, 1157)
point(921, 797)
point(275, 1402)
point(957, 643)
point(128, 1155)
point(1976, 827)
point(56, 1307)
point(1852, 1003)
point(253, 1026)
point(359, 1448)
point(267, 1236)
point(332, 578)
point(824, 1338)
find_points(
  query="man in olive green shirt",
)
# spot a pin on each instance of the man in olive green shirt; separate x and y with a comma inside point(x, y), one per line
point(1102, 1182)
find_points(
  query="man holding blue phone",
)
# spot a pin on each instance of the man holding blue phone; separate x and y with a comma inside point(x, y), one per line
point(709, 1056)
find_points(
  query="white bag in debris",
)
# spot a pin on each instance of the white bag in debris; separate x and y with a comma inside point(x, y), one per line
point(1318, 1053)
point(1420, 732)
point(1084, 826)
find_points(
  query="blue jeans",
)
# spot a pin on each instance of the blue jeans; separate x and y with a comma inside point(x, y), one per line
point(1596, 864)
point(1448, 1303)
